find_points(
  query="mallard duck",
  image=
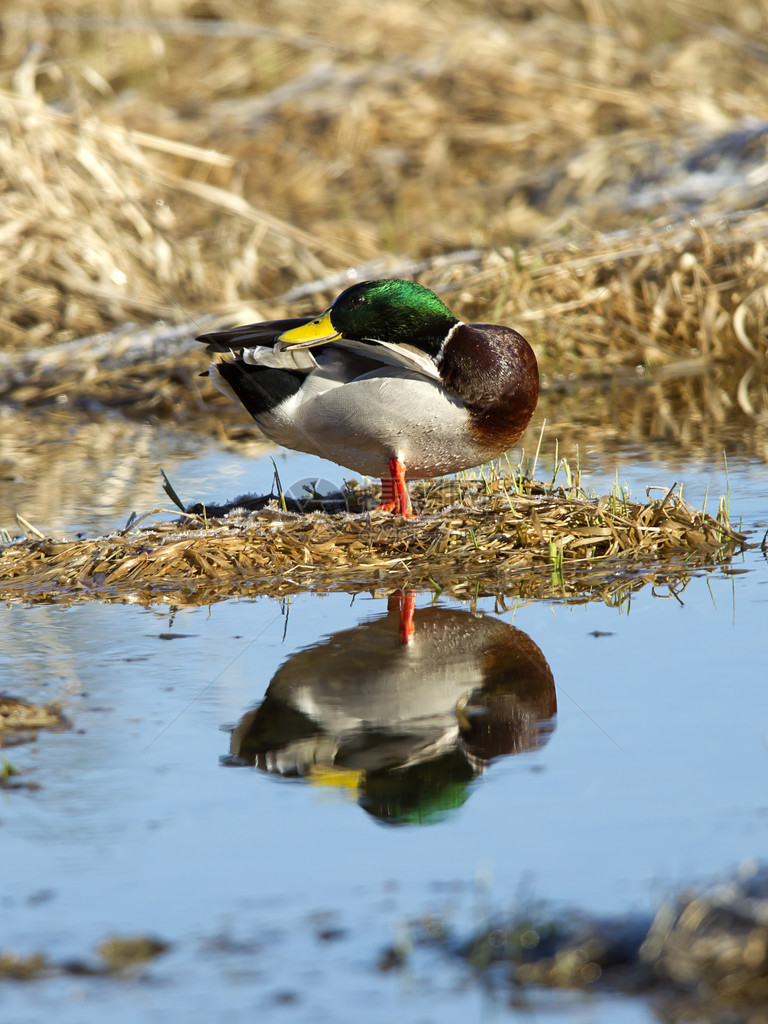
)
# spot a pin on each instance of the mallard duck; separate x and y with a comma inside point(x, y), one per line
point(387, 382)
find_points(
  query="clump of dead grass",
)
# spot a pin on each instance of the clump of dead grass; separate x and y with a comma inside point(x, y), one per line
point(498, 541)
point(647, 299)
point(88, 222)
point(99, 226)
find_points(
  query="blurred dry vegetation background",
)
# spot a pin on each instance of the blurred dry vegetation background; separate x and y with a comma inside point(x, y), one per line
point(593, 173)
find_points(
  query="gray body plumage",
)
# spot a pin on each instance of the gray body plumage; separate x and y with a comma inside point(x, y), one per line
point(360, 405)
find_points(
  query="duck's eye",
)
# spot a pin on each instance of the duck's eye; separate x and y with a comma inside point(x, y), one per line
point(358, 300)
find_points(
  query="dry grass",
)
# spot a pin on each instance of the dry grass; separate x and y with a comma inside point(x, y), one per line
point(503, 538)
point(186, 158)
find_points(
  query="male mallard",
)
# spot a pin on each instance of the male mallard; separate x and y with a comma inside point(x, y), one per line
point(387, 382)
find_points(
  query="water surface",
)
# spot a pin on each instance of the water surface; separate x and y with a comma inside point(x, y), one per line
point(280, 865)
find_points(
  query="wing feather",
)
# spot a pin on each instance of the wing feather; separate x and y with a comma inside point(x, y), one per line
point(259, 346)
point(234, 339)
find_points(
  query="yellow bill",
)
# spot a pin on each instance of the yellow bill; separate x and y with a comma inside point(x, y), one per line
point(316, 332)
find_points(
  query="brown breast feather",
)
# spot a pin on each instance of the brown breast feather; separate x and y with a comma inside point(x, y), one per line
point(493, 370)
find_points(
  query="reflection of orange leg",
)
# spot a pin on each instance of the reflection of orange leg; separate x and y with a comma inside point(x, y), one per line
point(394, 492)
point(407, 605)
point(407, 608)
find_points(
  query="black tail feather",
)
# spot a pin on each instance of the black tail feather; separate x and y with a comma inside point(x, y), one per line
point(260, 388)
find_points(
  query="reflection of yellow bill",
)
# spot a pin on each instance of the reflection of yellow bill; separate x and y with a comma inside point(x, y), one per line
point(316, 332)
point(340, 778)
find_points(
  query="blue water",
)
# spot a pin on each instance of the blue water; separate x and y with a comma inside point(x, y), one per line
point(652, 775)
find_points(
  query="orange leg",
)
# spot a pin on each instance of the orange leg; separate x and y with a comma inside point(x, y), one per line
point(394, 492)
point(387, 503)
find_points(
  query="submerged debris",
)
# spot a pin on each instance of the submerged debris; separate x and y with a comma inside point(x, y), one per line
point(498, 537)
point(15, 967)
point(706, 947)
point(20, 720)
point(125, 954)
point(118, 955)
point(19, 723)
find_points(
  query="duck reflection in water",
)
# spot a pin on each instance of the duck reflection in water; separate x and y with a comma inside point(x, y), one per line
point(405, 709)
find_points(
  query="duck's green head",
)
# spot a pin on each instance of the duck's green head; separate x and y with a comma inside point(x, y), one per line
point(400, 312)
